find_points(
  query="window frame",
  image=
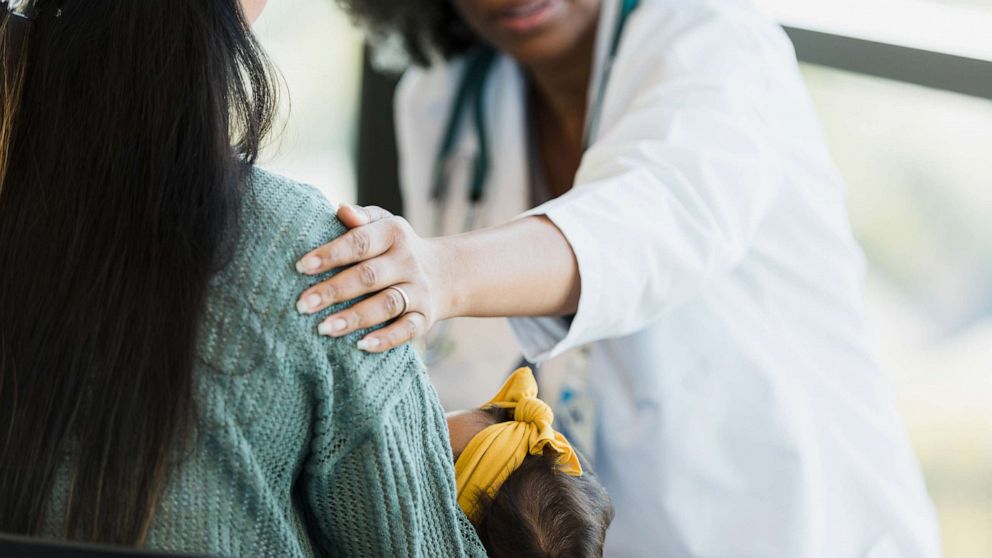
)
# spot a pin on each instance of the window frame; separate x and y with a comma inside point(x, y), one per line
point(937, 70)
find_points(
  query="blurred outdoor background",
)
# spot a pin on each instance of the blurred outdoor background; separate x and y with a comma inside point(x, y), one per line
point(918, 163)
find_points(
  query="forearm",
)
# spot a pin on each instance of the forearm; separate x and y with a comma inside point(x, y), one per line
point(523, 268)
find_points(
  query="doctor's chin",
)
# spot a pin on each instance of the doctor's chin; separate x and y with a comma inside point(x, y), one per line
point(496, 278)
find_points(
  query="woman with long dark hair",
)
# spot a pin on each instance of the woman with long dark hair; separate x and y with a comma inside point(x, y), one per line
point(154, 389)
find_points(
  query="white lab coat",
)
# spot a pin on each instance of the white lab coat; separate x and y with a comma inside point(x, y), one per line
point(742, 412)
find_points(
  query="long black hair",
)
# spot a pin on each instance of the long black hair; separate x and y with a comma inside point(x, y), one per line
point(126, 131)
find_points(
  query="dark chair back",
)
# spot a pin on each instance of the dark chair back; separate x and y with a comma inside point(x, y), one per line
point(23, 547)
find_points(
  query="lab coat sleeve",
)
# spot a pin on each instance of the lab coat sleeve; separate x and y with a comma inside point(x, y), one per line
point(669, 196)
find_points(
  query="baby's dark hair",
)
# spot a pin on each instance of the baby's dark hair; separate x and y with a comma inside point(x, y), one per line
point(540, 512)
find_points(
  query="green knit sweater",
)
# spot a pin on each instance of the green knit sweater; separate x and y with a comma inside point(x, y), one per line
point(304, 445)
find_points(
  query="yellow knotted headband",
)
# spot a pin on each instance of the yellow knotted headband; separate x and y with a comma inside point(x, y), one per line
point(499, 450)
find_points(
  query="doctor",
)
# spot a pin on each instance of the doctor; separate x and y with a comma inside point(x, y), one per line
point(654, 171)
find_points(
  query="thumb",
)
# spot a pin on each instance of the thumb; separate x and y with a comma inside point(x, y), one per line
point(355, 215)
point(351, 216)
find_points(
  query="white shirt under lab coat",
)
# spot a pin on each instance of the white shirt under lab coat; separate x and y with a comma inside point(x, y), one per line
point(741, 409)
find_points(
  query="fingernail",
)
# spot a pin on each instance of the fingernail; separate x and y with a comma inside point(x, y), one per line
point(332, 326)
point(368, 344)
point(355, 210)
point(308, 264)
point(308, 303)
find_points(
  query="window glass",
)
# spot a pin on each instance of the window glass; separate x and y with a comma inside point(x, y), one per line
point(318, 54)
point(919, 173)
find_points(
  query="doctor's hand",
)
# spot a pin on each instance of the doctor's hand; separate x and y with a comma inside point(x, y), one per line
point(389, 261)
point(522, 268)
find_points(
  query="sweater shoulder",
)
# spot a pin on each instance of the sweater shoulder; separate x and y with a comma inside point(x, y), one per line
point(252, 327)
point(280, 221)
point(250, 311)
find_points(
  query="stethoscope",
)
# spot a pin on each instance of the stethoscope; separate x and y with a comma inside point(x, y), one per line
point(470, 96)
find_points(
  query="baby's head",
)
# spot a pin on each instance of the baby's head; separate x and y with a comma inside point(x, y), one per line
point(528, 493)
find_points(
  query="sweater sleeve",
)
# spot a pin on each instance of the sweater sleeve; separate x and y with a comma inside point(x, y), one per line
point(385, 485)
point(377, 477)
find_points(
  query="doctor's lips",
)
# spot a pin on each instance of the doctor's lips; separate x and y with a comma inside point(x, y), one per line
point(523, 17)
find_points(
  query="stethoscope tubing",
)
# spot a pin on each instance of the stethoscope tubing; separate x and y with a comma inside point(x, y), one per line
point(471, 89)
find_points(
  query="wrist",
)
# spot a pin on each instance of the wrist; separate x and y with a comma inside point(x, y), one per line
point(454, 290)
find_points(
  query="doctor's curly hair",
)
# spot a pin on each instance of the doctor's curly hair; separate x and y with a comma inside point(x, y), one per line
point(425, 28)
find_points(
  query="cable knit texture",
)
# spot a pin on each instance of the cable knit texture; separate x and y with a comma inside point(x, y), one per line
point(304, 445)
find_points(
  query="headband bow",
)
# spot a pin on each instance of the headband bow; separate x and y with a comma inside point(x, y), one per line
point(499, 450)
